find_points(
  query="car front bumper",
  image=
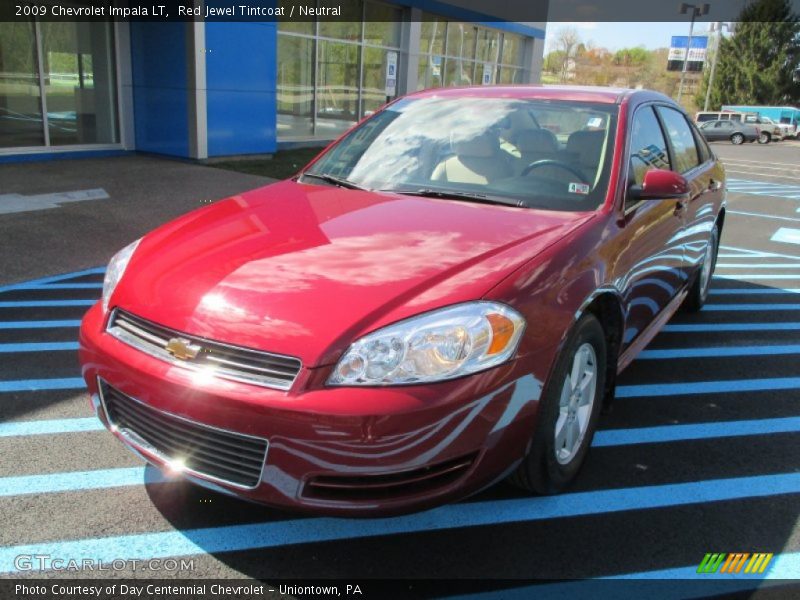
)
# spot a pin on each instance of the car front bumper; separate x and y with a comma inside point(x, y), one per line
point(329, 450)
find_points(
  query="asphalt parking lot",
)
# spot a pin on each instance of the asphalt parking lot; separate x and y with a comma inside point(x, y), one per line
point(700, 453)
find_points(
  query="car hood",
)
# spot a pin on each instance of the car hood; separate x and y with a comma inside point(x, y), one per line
point(303, 270)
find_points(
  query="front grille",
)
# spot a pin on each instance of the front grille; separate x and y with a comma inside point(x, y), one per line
point(385, 486)
point(222, 455)
point(221, 360)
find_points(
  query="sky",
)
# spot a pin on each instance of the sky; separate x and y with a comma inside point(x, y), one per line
point(625, 35)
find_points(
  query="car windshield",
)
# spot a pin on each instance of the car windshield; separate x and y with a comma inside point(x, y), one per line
point(548, 154)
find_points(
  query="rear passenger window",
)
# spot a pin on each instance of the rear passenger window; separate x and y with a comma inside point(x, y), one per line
point(648, 150)
point(682, 139)
point(702, 147)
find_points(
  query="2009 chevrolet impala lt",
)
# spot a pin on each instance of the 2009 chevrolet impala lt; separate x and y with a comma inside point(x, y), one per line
point(443, 298)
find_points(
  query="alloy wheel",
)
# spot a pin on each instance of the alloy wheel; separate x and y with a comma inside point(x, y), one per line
point(575, 405)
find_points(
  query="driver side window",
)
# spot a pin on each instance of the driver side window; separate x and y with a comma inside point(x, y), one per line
point(648, 149)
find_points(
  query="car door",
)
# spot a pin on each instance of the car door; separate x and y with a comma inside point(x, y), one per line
point(693, 161)
point(650, 263)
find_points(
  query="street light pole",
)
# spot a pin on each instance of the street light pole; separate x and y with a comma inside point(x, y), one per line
point(697, 11)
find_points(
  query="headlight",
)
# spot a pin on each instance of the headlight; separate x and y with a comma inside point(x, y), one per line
point(439, 345)
point(116, 267)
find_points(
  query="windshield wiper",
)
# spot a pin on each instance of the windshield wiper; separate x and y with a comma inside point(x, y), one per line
point(340, 181)
point(453, 195)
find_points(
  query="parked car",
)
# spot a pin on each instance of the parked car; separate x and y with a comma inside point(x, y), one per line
point(736, 132)
point(770, 130)
point(443, 298)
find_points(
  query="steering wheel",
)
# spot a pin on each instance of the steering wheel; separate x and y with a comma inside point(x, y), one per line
point(554, 163)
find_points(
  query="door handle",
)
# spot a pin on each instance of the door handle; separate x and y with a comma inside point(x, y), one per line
point(680, 207)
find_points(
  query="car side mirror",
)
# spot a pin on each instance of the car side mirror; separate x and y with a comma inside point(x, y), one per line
point(660, 184)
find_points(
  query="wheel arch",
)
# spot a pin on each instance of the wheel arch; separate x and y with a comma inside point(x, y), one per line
point(606, 305)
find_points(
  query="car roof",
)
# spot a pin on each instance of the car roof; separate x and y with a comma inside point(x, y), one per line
point(575, 93)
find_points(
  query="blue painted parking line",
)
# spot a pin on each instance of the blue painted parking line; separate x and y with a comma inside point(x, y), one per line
point(752, 291)
point(719, 351)
point(749, 307)
point(50, 426)
point(763, 216)
point(35, 385)
point(694, 431)
point(759, 266)
point(69, 482)
point(759, 188)
point(653, 390)
point(698, 327)
point(233, 538)
point(744, 253)
point(786, 235)
point(39, 324)
point(57, 286)
point(38, 303)
point(38, 347)
point(56, 278)
point(741, 276)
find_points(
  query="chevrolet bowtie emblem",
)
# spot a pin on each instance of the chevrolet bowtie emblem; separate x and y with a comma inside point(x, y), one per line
point(182, 348)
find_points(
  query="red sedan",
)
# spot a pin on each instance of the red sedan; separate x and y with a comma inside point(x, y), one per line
point(443, 298)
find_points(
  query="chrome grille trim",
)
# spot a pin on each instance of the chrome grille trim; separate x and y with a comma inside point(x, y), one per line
point(219, 359)
point(208, 452)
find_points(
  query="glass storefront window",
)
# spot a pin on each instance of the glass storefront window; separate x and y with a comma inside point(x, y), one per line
point(20, 102)
point(382, 24)
point(430, 72)
point(373, 91)
point(337, 87)
point(295, 86)
point(488, 49)
point(78, 78)
point(461, 40)
point(432, 36)
point(512, 49)
point(292, 25)
point(79, 83)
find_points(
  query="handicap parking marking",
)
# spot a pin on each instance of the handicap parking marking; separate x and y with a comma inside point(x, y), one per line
point(232, 538)
point(42, 335)
point(786, 235)
point(789, 191)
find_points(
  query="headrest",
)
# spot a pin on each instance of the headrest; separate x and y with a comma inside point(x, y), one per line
point(537, 140)
point(586, 144)
point(482, 145)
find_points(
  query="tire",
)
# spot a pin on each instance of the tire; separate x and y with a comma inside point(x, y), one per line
point(737, 139)
point(698, 293)
point(764, 137)
point(549, 466)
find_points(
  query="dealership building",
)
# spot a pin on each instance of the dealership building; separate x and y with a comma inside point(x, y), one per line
point(212, 89)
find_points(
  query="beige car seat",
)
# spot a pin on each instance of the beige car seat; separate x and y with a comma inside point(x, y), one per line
point(477, 160)
point(534, 145)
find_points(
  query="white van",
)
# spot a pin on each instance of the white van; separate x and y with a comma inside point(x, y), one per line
point(724, 115)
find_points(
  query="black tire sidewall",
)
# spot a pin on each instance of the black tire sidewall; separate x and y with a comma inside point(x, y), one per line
point(548, 475)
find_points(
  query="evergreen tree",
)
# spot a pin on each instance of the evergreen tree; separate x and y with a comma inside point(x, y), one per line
point(759, 63)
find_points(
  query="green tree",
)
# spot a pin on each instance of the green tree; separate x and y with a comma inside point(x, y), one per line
point(759, 63)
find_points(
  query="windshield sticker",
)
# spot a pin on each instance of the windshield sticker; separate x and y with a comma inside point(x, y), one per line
point(595, 122)
point(579, 188)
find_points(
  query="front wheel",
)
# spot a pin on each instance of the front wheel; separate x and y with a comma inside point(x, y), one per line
point(737, 139)
point(764, 138)
point(568, 412)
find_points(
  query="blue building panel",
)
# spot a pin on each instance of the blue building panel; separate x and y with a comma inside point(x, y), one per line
point(241, 76)
point(160, 94)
